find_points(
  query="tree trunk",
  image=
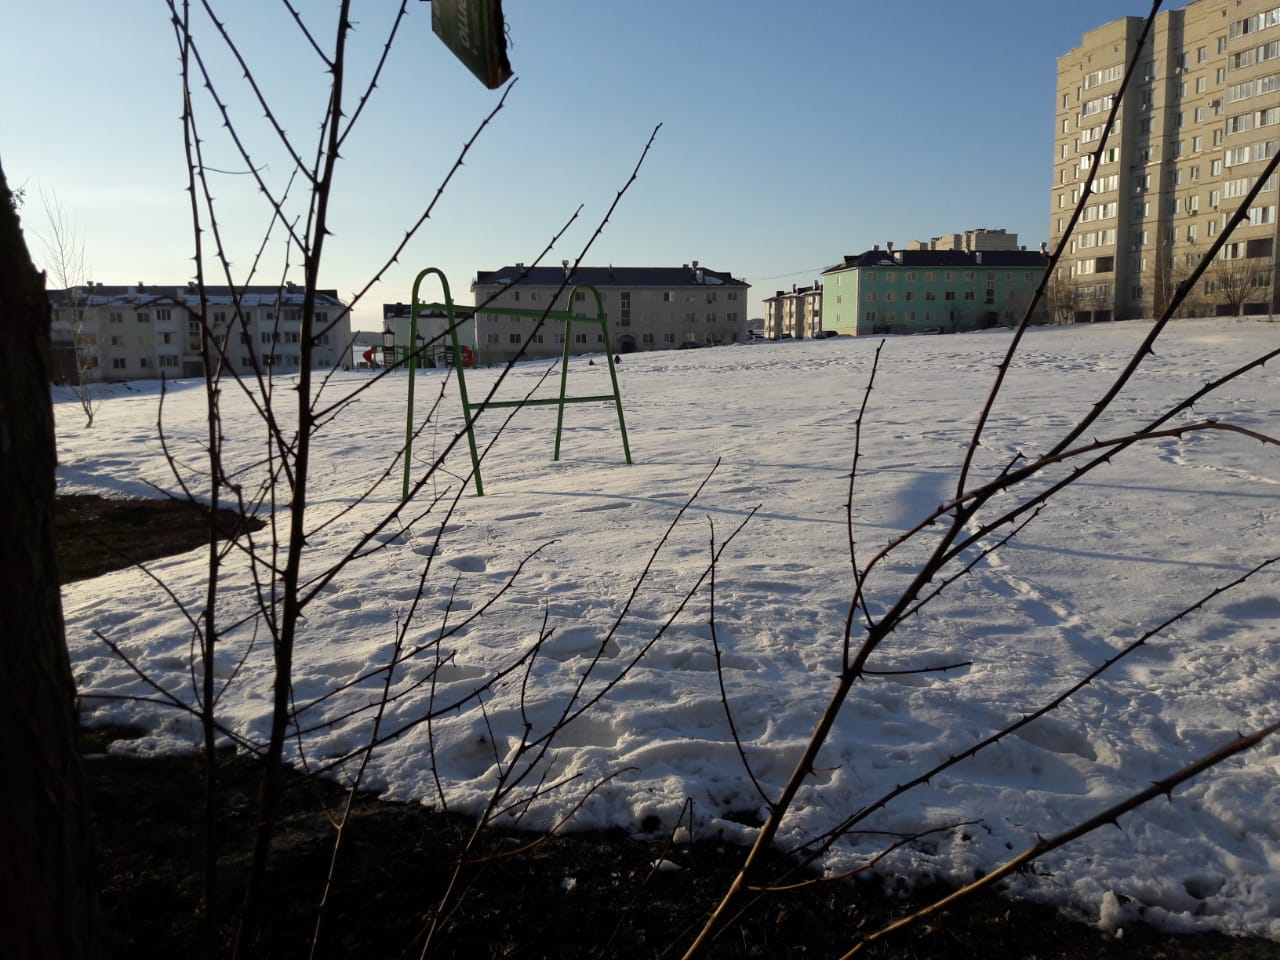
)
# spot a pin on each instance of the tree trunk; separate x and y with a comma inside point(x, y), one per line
point(46, 881)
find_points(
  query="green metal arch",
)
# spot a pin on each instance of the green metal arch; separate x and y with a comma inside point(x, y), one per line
point(471, 411)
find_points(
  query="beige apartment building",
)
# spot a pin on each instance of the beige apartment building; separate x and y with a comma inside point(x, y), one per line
point(981, 240)
point(1196, 127)
point(102, 332)
point(647, 308)
point(793, 314)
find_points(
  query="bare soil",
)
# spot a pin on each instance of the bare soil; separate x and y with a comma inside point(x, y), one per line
point(504, 894)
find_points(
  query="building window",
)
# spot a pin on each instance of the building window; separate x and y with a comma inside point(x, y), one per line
point(579, 338)
point(513, 338)
point(115, 317)
point(117, 363)
point(163, 314)
point(142, 316)
point(668, 338)
point(491, 338)
point(1258, 216)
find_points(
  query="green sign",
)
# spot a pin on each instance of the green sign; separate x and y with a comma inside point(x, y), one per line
point(475, 32)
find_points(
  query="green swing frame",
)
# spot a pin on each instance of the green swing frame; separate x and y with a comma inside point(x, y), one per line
point(471, 411)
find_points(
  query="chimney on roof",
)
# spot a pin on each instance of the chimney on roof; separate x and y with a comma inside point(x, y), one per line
point(875, 246)
point(565, 265)
point(519, 266)
point(889, 246)
point(1044, 248)
point(695, 264)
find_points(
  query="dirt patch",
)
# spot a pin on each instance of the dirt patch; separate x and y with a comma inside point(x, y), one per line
point(95, 535)
point(504, 894)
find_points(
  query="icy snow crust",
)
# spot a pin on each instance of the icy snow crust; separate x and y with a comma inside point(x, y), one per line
point(1108, 559)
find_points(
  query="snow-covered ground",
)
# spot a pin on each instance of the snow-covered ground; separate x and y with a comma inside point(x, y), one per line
point(1126, 548)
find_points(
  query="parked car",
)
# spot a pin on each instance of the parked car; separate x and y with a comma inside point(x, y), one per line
point(824, 334)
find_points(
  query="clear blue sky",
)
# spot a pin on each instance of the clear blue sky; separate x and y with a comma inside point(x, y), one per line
point(792, 133)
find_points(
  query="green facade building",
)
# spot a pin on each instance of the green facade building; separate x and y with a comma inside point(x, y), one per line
point(930, 291)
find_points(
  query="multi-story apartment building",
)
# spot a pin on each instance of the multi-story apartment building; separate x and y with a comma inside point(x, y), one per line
point(970, 241)
point(1195, 128)
point(796, 313)
point(148, 331)
point(647, 308)
point(929, 291)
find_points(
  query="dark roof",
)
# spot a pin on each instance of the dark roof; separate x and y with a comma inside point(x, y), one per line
point(797, 292)
point(681, 276)
point(394, 311)
point(1022, 259)
point(101, 294)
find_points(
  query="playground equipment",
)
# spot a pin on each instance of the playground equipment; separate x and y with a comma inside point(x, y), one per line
point(461, 357)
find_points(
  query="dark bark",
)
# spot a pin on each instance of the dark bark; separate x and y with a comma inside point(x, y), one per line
point(46, 881)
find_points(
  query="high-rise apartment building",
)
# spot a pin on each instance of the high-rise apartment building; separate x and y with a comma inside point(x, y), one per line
point(1195, 129)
